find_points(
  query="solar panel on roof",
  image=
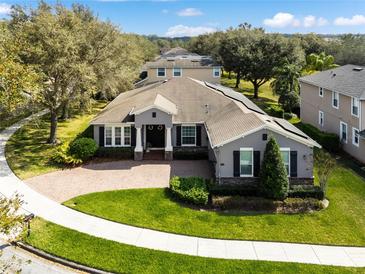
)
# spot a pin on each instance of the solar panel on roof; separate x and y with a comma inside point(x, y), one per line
point(236, 96)
point(289, 127)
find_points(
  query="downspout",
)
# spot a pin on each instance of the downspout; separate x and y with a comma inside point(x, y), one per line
point(218, 164)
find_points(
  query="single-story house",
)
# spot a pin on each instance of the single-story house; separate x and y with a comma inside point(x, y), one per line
point(185, 114)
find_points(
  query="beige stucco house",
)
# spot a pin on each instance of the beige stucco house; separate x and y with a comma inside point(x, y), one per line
point(334, 101)
point(177, 63)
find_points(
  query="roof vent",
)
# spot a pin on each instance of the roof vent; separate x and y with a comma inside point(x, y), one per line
point(357, 69)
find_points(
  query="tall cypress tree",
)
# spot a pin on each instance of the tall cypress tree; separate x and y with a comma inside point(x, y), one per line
point(274, 182)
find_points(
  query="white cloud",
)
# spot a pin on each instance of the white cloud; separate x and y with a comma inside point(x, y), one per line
point(312, 21)
point(281, 20)
point(284, 19)
point(309, 21)
point(355, 20)
point(189, 12)
point(181, 30)
point(322, 21)
point(5, 8)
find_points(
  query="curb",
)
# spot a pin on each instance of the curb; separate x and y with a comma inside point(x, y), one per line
point(59, 260)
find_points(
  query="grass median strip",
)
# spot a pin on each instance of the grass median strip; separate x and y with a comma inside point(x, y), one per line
point(121, 258)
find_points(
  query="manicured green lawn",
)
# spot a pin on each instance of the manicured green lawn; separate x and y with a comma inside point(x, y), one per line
point(342, 223)
point(27, 152)
point(121, 258)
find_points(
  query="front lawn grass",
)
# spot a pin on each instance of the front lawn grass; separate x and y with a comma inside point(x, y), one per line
point(6, 120)
point(121, 258)
point(342, 223)
point(27, 152)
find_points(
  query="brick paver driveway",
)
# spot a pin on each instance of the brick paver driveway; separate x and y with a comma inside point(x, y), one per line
point(65, 184)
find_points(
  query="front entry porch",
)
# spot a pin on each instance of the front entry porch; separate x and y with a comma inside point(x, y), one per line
point(153, 137)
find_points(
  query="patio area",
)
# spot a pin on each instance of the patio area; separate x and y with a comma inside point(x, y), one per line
point(96, 177)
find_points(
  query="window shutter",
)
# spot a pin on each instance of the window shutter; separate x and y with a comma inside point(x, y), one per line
point(101, 136)
point(178, 136)
point(293, 163)
point(256, 163)
point(198, 136)
point(236, 163)
point(133, 136)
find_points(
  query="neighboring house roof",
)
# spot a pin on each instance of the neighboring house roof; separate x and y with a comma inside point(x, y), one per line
point(226, 117)
point(177, 52)
point(198, 62)
point(348, 80)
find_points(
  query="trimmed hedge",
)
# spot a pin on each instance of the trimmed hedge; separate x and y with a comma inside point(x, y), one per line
point(306, 192)
point(190, 189)
point(190, 154)
point(228, 190)
point(115, 152)
point(329, 141)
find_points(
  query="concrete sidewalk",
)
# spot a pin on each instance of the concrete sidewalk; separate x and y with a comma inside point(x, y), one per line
point(213, 248)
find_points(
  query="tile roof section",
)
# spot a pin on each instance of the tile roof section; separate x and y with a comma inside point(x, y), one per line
point(192, 101)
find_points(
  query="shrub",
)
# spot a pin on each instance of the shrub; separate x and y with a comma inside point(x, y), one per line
point(190, 189)
point(306, 192)
point(83, 148)
point(274, 182)
point(329, 141)
point(63, 157)
point(87, 133)
point(275, 111)
point(115, 152)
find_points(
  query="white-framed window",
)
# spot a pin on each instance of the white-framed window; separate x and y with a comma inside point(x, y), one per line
point(321, 118)
point(320, 92)
point(161, 72)
point(127, 136)
point(117, 136)
point(335, 99)
point(108, 136)
point(188, 135)
point(343, 132)
point(216, 72)
point(246, 162)
point(177, 72)
point(355, 103)
point(285, 155)
point(355, 137)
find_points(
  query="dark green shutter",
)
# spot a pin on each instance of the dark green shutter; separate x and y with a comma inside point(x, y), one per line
point(236, 163)
point(133, 136)
point(198, 136)
point(256, 163)
point(293, 164)
point(178, 136)
point(101, 136)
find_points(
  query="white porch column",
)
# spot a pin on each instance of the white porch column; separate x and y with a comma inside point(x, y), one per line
point(139, 147)
point(168, 149)
point(168, 139)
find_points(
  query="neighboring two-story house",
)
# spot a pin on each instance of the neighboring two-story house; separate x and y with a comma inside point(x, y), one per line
point(334, 101)
point(177, 63)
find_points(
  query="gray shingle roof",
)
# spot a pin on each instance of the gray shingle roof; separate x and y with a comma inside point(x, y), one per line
point(343, 79)
point(181, 62)
point(192, 101)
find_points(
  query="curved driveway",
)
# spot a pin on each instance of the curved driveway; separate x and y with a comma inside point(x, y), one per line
point(226, 249)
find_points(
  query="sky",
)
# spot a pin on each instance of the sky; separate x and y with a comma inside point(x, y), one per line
point(176, 18)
